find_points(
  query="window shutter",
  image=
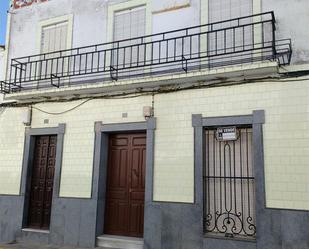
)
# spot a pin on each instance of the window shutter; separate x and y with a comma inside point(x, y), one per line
point(54, 37)
point(129, 24)
point(227, 9)
point(226, 41)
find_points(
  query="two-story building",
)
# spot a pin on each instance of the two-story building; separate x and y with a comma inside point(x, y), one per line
point(156, 124)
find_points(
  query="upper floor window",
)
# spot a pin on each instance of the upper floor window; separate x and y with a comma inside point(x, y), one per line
point(227, 39)
point(128, 24)
point(54, 37)
point(227, 9)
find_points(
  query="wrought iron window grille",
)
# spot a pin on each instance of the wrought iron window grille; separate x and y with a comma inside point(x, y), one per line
point(231, 42)
point(229, 185)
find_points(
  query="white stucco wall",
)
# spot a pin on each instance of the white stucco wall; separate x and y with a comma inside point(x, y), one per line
point(2, 76)
point(286, 140)
point(292, 18)
point(91, 20)
point(11, 149)
point(2, 64)
point(286, 104)
point(79, 137)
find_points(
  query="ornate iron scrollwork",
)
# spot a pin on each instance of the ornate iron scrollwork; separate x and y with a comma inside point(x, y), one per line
point(229, 195)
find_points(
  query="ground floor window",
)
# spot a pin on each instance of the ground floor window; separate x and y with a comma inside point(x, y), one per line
point(228, 182)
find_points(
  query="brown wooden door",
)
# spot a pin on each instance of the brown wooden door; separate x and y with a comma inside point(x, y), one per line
point(125, 196)
point(42, 182)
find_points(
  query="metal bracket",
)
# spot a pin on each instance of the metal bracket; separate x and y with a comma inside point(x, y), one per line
point(112, 70)
point(4, 87)
point(53, 76)
point(17, 87)
point(19, 67)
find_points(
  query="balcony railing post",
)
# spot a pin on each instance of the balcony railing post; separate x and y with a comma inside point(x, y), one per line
point(11, 68)
point(291, 51)
point(274, 36)
point(20, 74)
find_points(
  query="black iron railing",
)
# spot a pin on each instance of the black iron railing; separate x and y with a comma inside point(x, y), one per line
point(235, 41)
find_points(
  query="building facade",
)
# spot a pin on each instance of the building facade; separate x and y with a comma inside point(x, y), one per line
point(156, 124)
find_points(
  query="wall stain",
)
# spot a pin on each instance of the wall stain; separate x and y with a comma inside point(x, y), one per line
point(176, 7)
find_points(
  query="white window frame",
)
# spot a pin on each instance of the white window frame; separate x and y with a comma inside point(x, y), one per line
point(257, 8)
point(53, 21)
point(204, 14)
point(128, 5)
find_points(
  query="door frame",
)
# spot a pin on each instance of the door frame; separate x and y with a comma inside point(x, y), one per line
point(256, 121)
point(102, 132)
point(28, 158)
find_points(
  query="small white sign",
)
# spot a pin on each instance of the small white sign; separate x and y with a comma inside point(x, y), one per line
point(227, 133)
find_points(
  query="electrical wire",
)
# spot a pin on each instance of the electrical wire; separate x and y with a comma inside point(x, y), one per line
point(82, 103)
point(63, 112)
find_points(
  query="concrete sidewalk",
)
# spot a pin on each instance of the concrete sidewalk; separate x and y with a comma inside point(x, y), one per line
point(32, 246)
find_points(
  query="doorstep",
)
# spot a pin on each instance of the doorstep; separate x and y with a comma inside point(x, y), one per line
point(32, 230)
point(119, 242)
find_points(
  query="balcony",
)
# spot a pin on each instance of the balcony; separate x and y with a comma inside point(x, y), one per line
point(243, 40)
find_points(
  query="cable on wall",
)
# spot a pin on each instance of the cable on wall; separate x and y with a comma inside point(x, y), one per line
point(84, 102)
point(63, 112)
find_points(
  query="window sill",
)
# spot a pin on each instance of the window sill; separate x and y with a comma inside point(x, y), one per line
point(222, 237)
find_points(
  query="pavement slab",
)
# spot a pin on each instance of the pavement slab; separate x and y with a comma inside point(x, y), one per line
point(33, 246)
